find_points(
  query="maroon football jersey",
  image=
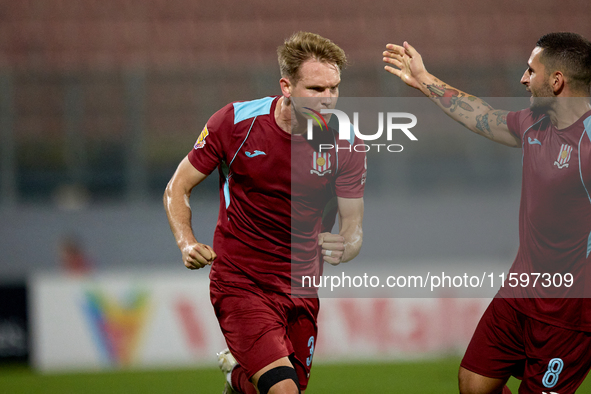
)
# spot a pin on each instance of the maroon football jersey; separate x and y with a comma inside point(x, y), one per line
point(274, 188)
point(554, 221)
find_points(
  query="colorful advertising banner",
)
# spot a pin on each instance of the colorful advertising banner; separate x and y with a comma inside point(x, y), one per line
point(162, 320)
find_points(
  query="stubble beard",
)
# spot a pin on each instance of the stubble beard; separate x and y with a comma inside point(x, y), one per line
point(542, 100)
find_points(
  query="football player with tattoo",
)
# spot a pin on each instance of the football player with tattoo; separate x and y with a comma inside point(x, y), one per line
point(540, 332)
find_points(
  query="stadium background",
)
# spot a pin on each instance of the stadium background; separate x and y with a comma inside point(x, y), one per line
point(99, 100)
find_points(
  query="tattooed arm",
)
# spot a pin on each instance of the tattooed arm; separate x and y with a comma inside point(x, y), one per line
point(472, 112)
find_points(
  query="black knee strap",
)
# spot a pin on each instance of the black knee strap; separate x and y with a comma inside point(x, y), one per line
point(276, 375)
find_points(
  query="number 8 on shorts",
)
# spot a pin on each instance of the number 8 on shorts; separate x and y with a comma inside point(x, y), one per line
point(554, 369)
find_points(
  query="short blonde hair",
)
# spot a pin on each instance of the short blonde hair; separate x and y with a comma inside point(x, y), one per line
point(303, 46)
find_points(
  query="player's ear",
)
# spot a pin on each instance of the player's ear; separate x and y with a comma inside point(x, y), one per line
point(286, 87)
point(557, 82)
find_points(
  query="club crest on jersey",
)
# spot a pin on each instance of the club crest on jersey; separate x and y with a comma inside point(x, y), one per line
point(563, 156)
point(201, 140)
point(321, 164)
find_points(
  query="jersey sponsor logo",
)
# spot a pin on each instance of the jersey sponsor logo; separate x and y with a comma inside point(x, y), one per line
point(255, 153)
point(563, 156)
point(201, 140)
point(534, 141)
point(321, 164)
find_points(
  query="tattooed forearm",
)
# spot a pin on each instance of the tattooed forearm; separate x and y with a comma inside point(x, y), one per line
point(465, 106)
point(501, 117)
point(447, 97)
point(485, 104)
point(482, 124)
point(436, 90)
point(470, 111)
point(455, 101)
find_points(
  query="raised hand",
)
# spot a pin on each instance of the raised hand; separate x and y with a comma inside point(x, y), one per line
point(406, 63)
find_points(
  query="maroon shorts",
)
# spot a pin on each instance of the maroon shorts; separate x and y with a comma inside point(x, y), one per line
point(545, 357)
point(263, 326)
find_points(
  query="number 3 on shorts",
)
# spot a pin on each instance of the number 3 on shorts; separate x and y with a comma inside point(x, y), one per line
point(554, 369)
point(311, 346)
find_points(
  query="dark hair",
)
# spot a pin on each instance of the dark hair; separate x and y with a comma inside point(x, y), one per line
point(303, 46)
point(569, 53)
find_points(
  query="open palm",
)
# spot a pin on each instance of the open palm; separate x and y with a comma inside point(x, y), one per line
point(404, 62)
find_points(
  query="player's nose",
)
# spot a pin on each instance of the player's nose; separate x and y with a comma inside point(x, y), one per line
point(328, 97)
point(525, 78)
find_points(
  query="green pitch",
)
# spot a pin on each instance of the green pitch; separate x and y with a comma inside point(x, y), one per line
point(409, 377)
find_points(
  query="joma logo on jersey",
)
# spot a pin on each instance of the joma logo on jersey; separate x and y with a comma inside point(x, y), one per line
point(321, 164)
point(563, 156)
point(345, 129)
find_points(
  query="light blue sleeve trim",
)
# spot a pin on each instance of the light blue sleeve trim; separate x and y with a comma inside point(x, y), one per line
point(249, 109)
point(227, 193)
point(587, 124)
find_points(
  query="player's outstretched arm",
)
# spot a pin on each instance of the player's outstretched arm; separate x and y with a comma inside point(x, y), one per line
point(472, 112)
point(344, 246)
point(178, 210)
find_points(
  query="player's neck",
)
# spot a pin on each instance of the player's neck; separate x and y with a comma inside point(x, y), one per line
point(283, 117)
point(567, 110)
